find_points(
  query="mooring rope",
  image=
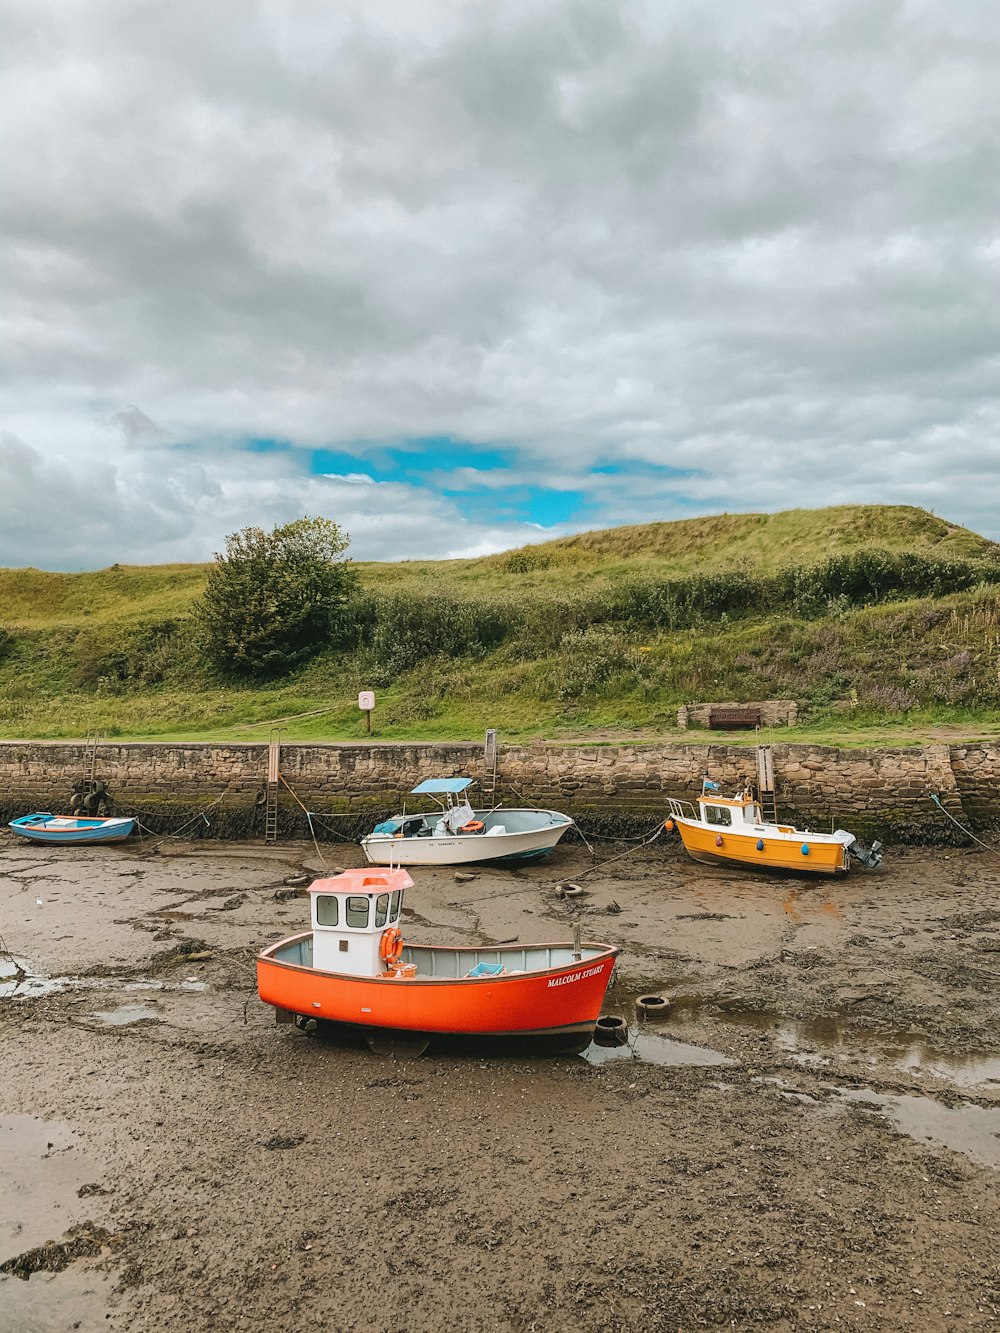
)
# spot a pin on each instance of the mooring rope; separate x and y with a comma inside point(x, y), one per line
point(584, 838)
point(336, 832)
point(202, 814)
point(627, 852)
point(309, 819)
point(968, 832)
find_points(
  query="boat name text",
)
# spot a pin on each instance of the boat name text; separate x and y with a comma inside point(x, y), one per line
point(577, 976)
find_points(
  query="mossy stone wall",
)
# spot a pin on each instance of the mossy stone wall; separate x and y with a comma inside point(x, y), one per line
point(872, 792)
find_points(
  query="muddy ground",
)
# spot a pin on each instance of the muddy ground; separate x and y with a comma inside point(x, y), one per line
point(809, 1141)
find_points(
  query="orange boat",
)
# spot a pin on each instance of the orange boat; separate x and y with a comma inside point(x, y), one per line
point(353, 968)
point(732, 831)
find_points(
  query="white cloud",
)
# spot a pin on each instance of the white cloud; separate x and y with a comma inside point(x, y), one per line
point(756, 242)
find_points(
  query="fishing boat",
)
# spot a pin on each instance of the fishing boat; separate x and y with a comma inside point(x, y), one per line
point(354, 969)
point(455, 834)
point(45, 827)
point(732, 831)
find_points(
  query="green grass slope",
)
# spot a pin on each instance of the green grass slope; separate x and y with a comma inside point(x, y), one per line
point(765, 542)
point(883, 620)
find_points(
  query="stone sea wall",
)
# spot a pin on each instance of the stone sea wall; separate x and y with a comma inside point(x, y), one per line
point(609, 788)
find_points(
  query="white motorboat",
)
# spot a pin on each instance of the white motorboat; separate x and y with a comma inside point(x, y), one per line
point(456, 834)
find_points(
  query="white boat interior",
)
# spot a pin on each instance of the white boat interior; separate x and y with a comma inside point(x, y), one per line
point(436, 961)
point(494, 823)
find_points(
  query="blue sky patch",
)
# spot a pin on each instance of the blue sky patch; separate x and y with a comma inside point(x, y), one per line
point(634, 467)
point(445, 466)
point(411, 462)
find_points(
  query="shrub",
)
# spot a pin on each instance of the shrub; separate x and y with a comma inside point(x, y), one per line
point(115, 657)
point(272, 600)
point(593, 659)
point(408, 629)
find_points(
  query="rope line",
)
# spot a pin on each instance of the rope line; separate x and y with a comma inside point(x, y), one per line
point(202, 814)
point(968, 833)
point(308, 814)
point(628, 852)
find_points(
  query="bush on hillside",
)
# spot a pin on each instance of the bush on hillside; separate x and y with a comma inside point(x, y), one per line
point(598, 660)
point(273, 599)
point(110, 658)
point(408, 629)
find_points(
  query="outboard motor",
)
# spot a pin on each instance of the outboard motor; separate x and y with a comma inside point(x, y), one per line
point(870, 857)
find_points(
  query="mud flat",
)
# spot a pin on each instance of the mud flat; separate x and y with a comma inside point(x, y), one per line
point(809, 1140)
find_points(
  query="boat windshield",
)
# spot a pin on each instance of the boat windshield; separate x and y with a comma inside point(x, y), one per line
point(357, 910)
point(718, 814)
point(326, 909)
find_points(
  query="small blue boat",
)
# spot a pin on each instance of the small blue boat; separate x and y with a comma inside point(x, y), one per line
point(46, 827)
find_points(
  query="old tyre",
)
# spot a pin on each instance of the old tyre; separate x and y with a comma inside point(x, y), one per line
point(652, 1007)
point(611, 1030)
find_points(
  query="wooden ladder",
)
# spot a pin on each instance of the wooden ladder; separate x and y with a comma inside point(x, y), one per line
point(273, 776)
point(765, 784)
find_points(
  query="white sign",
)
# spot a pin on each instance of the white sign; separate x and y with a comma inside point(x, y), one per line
point(366, 700)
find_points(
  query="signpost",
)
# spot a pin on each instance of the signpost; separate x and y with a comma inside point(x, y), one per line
point(366, 702)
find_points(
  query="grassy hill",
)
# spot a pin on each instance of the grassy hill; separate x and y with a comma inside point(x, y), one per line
point(882, 619)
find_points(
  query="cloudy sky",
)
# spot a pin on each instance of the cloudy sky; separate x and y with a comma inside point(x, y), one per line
point(466, 275)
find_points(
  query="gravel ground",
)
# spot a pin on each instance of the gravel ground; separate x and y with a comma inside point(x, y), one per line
point(809, 1141)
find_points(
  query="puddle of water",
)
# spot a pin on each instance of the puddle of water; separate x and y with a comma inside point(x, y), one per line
point(655, 1050)
point(56, 1302)
point(20, 979)
point(971, 1130)
point(819, 1042)
point(126, 1014)
point(16, 974)
point(815, 1041)
point(41, 1168)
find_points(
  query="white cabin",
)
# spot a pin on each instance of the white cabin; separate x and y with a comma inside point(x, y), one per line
point(740, 812)
point(350, 913)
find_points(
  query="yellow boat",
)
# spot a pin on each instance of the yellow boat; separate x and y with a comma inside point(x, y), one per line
point(732, 831)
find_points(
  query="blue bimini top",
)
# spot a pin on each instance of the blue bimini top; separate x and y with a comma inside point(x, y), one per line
point(438, 786)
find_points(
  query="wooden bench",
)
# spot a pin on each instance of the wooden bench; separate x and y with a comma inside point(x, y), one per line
point(732, 719)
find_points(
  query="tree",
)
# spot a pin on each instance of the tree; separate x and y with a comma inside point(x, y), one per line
point(270, 601)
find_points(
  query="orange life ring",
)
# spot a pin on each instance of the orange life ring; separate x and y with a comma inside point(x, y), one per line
point(391, 948)
point(473, 826)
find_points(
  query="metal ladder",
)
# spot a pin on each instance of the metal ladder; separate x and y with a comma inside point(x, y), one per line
point(94, 739)
point(273, 776)
point(765, 784)
point(490, 754)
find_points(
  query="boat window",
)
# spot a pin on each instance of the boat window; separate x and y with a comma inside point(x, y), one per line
point(357, 910)
point(394, 910)
point(326, 909)
point(718, 814)
point(381, 908)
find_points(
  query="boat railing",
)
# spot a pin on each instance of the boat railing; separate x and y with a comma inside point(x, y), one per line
point(681, 809)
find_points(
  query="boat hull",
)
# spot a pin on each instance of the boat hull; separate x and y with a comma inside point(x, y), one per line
point(723, 847)
point(560, 1001)
point(467, 849)
point(70, 830)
